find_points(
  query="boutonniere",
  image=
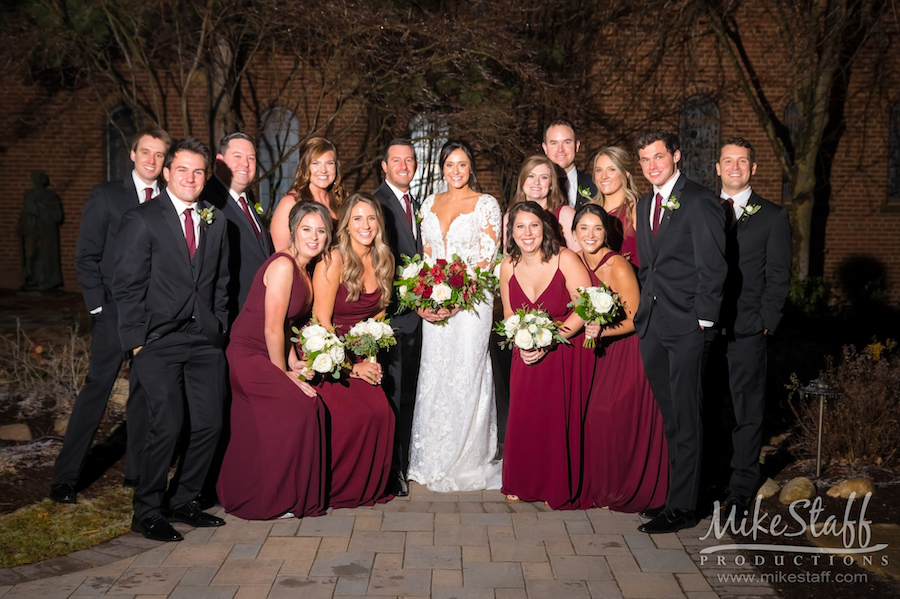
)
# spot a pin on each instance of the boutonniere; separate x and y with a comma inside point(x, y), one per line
point(672, 203)
point(585, 192)
point(206, 214)
point(258, 208)
point(419, 216)
point(750, 209)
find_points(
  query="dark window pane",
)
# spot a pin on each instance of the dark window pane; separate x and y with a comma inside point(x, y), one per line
point(699, 135)
point(119, 130)
point(278, 155)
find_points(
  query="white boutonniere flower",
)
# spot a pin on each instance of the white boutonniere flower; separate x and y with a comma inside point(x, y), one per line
point(672, 203)
point(419, 216)
point(585, 192)
point(206, 214)
point(750, 209)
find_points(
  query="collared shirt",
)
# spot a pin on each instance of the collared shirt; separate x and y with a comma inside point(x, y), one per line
point(740, 200)
point(400, 195)
point(140, 186)
point(666, 192)
point(180, 207)
point(572, 176)
point(236, 197)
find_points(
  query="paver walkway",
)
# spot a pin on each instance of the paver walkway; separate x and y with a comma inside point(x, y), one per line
point(466, 545)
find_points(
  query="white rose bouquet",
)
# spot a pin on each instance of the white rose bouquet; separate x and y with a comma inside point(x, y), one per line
point(597, 304)
point(434, 284)
point(529, 329)
point(367, 338)
point(322, 350)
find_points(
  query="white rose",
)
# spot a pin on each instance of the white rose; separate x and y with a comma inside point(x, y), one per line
point(314, 344)
point(524, 340)
point(497, 270)
point(336, 353)
point(543, 338)
point(532, 328)
point(314, 330)
point(512, 323)
point(386, 330)
point(402, 290)
point(441, 292)
point(429, 261)
point(530, 317)
point(412, 269)
point(323, 363)
point(374, 329)
point(542, 321)
point(602, 302)
point(357, 330)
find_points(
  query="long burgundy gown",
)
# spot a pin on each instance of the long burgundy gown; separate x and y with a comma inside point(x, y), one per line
point(625, 440)
point(629, 238)
point(544, 452)
point(275, 460)
point(361, 421)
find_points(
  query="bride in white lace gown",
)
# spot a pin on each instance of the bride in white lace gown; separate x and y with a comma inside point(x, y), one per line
point(454, 431)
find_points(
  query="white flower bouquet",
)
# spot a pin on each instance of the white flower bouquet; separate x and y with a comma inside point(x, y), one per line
point(596, 304)
point(322, 350)
point(367, 338)
point(529, 329)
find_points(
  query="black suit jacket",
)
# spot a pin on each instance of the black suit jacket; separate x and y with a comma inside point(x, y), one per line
point(95, 251)
point(401, 241)
point(683, 266)
point(585, 181)
point(759, 269)
point(247, 252)
point(158, 288)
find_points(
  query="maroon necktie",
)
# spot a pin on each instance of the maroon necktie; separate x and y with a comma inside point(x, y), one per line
point(409, 215)
point(729, 211)
point(246, 209)
point(189, 232)
point(657, 213)
point(148, 194)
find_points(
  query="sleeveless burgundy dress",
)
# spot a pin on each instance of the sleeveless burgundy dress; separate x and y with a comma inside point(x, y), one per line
point(628, 247)
point(628, 464)
point(360, 420)
point(275, 460)
point(543, 455)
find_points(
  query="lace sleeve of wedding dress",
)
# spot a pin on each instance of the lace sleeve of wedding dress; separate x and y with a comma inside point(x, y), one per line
point(489, 239)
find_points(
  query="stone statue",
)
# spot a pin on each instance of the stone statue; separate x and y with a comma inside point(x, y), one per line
point(38, 228)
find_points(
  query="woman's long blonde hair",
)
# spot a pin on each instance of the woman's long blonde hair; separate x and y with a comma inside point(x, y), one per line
point(623, 162)
point(382, 257)
point(311, 149)
point(554, 196)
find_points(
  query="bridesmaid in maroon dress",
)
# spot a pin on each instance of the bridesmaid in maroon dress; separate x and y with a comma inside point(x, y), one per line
point(543, 453)
point(618, 195)
point(624, 437)
point(352, 285)
point(275, 461)
point(538, 183)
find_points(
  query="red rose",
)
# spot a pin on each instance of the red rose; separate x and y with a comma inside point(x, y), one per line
point(440, 262)
point(435, 270)
point(439, 277)
point(457, 280)
point(419, 288)
point(427, 292)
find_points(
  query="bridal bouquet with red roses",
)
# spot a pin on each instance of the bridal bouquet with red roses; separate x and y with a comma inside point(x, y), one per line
point(434, 284)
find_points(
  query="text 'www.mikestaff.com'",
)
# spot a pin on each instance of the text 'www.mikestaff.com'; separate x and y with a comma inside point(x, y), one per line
point(826, 576)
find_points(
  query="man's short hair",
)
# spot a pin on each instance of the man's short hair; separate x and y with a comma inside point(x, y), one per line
point(188, 144)
point(649, 136)
point(561, 122)
point(740, 142)
point(399, 141)
point(154, 132)
point(223, 145)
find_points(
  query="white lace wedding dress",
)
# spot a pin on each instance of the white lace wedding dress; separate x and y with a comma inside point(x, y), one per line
point(454, 431)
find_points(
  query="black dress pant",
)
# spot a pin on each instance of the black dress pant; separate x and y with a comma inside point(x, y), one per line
point(747, 383)
point(183, 377)
point(401, 365)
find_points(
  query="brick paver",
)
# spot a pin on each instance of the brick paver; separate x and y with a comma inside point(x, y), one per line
point(454, 546)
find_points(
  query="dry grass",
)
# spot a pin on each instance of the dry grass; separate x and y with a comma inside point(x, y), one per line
point(47, 529)
point(864, 424)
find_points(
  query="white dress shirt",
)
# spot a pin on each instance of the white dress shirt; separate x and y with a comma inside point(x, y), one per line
point(236, 197)
point(180, 207)
point(740, 200)
point(572, 176)
point(400, 195)
point(140, 186)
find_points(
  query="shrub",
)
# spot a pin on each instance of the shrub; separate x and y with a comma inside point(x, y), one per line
point(864, 424)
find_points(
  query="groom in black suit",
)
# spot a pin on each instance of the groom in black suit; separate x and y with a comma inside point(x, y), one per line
point(758, 251)
point(95, 264)
point(681, 244)
point(171, 285)
point(402, 360)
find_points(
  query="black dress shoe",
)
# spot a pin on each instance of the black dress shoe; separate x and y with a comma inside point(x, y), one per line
point(670, 521)
point(156, 528)
point(131, 483)
point(190, 513)
point(64, 493)
point(652, 512)
point(397, 485)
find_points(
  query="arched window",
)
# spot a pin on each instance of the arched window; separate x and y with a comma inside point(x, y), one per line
point(791, 121)
point(120, 128)
point(893, 186)
point(278, 155)
point(427, 138)
point(698, 131)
